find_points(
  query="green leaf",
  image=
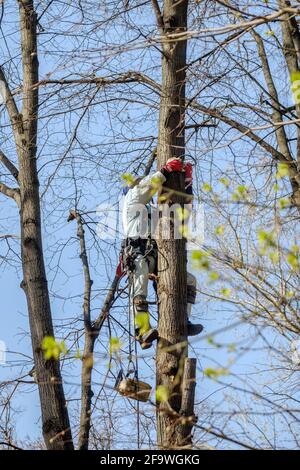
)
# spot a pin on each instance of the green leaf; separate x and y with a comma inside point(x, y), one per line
point(214, 276)
point(295, 76)
point(220, 230)
point(182, 213)
point(142, 322)
point(293, 260)
point(114, 345)
point(226, 292)
point(295, 86)
point(240, 193)
point(289, 294)
point(215, 373)
point(266, 239)
point(274, 257)
point(200, 259)
point(283, 203)
point(225, 182)
point(128, 178)
point(78, 354)
point(163, 198)
point(156, 184)
point(211, 341)
point(207, 187)
point(242, 189)
point(184, 230)
point(52, 348)
point(282, 170)
point(162, 394)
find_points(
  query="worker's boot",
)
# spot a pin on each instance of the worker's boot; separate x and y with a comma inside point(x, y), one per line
point(147, 338)
point(140, 303)
point(194, 329)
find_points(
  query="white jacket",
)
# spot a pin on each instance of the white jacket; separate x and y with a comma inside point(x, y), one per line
point(135, 214)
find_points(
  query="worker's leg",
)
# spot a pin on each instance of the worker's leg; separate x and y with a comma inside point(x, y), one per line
point(192, 329)
point(140, 277)
point(147, 334)
point(191, 292)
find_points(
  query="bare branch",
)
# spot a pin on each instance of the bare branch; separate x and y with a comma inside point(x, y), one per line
point(13, 193)
point(128, 77)
point(221, 435)
point(10, 445)
point(159, 17)
point(9, 165)
point(242, 25)
point(87, 277)
point(14, 115)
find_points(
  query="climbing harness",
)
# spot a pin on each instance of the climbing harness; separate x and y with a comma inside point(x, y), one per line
point(131, 248)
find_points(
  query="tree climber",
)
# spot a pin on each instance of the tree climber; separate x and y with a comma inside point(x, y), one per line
point(139, 250)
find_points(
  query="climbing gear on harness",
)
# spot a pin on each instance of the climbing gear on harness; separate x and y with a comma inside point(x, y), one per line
point(132, 388)
point(131, 248)
point(194, 329)
point(128, 257)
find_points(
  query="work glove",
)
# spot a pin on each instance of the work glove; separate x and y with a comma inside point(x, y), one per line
point(173, 164)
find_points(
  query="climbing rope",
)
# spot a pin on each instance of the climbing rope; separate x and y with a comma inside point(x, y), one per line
point(133, 363)
point(133, 339)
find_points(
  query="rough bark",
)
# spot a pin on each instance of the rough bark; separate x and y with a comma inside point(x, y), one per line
point(55, 420)
point(172, 349)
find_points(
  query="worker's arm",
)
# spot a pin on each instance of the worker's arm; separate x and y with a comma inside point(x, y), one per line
point(148, 186)
point(152, 180)
point(151, 183)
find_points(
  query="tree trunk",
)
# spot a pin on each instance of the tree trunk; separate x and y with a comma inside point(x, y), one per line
point(55, 420)
point(86, 390)
point(188, 400)
point(172, 344)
